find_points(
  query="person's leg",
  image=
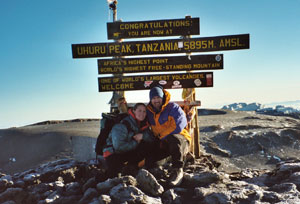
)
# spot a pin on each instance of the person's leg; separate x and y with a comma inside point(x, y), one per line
point(155, 154)
point(115, 162)
point(139, 154)
point(114, 165)
point(178, 147)
point(132, 159)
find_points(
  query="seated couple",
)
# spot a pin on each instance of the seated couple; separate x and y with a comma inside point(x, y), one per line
point(156, 131)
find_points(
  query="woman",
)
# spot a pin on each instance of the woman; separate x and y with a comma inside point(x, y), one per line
point(128, 141)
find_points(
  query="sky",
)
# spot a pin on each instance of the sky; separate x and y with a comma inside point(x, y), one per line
point(39, 79)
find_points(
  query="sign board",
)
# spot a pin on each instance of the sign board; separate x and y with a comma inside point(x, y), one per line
point(157, 28)
point(167, 81)
point(160, 64)
point(205, 44)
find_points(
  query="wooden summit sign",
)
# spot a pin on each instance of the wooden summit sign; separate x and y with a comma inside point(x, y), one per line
point(160, 64)
point(141, 29)
point(167, 81)
point(205, 44)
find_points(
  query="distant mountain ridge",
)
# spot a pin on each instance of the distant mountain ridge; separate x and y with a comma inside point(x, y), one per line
point(294, 104)
point(289, 108)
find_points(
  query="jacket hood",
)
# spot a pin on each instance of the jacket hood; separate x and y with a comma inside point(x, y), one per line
point(166, 100)
point(142, 124)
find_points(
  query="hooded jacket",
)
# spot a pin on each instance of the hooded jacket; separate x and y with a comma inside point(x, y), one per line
point(120, 138)
point(171, 119)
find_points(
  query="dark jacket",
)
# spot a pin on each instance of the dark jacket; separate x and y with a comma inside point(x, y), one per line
point(120, 138)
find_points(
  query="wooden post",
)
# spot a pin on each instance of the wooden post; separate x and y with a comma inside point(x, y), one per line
point(189, 94)
point(196, 131)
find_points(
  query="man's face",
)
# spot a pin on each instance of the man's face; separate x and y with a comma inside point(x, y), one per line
point(156, 102)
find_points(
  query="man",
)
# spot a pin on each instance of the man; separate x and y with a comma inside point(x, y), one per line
point(168, 122)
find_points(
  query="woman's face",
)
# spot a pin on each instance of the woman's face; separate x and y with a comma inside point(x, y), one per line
point(140, 113)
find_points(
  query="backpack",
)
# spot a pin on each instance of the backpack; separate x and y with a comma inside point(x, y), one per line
point(107, 122)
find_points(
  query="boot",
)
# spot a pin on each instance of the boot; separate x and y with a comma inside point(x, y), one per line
point(176, 177)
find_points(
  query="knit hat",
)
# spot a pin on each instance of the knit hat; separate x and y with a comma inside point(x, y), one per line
point(156, 91)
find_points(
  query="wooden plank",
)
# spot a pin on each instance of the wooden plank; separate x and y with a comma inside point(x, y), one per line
point(180, 103)
point(205, 44)
point(160, 64)
point(155, 28)
point(167, 81)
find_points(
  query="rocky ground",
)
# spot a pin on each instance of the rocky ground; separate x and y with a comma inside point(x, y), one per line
point(242, 140)
point(67, 181)
point(247, 158)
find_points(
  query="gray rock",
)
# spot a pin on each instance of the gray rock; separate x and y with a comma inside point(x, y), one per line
point(6, 181)
point(59, 186)
point(123, 193)
point(16, 194)
point(259, 180)
point(105, 186)
point(52, 197)
point(47, 188)
point(19, 184)
point(232, 192)
point(104, 199)
point(295, 178)
point(243, 191)
point(69, 199)
point(33, 197)
point(218, 151)
point(9, 202)
point(148, 183)
point(91, 183)
point(286, 169)
point(95, 201)
point(73, 188)
point(152, 200)
point(46, 194)
point(171, 197)
point(89, 194)
point(69, 174)
point(7, 177)
point(3, 185)
point(158, 172)
point(40, 188)
point(62, 168)
point(217, 198)
point(200, 179)
point(201, 192)
point(288, 192)
point(31, 178)
point(129, 180)
point(271, 197)
point(284, 188)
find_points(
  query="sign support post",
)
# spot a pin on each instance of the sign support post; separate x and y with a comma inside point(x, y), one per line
point(116, 94)
point(189, 94)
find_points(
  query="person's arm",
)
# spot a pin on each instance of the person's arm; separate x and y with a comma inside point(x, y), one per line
point(121, 140)
point(177, 121)
point(148, 135)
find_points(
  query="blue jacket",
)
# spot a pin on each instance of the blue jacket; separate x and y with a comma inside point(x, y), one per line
point(121, 140)
point(171, 119)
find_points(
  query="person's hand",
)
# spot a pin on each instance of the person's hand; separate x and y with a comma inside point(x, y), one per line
point(138, 137)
